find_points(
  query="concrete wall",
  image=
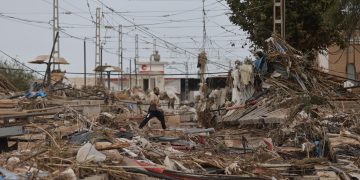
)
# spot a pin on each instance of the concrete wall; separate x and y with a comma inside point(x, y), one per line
point(339, 60)
point(144, 68)
point(79, 81)
point(173, 84)
point(115, 85)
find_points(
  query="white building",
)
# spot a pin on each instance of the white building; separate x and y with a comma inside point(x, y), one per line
point(150, 74)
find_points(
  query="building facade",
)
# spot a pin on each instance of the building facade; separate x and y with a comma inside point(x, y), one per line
point(342, 62)
point(150, 74)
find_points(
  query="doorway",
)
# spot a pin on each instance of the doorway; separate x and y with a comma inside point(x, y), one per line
point(145, 84)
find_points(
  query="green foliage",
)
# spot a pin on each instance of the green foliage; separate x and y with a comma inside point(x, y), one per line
point(20, 77)
point(308, 23)
point(345, 15)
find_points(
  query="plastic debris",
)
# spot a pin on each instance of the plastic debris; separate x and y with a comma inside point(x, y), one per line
point(88, 153)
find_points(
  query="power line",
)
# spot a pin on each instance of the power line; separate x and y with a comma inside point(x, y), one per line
point(167, 44)
point(122, 12)
point(155, 36)
point(27, 22)
point(65, 1)
point(157, 74)
point(140, 28)
point(22, 64)
point(161, 11)
point(176, 20)
point(112, 73)
point(149, 24)
point(70, 12)
point(62, 30)
point(183, 12)
point(23, 22)
point(150, 48)
point(219, 65)
point(183, 27)
point(38, 21)
point(88, 5)
point(188, 36)
point(219, 1)
point(18, 62)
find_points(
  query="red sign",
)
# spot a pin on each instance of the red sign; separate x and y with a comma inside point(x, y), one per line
point(143, 67)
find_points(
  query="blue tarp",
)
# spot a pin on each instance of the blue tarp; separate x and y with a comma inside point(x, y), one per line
point(39, 93)
point(7, 175)
point(257, 63)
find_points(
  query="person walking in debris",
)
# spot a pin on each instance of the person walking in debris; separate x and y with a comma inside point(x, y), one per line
point(154, 109)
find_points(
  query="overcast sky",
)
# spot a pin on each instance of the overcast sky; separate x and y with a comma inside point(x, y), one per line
point(26, 31)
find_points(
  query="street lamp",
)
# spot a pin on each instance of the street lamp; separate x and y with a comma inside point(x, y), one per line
point(108, 69)
point(42, 59)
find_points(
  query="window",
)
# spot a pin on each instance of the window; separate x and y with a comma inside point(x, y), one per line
point(350, 71)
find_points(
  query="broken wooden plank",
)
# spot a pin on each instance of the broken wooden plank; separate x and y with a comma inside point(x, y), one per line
point(100, 146)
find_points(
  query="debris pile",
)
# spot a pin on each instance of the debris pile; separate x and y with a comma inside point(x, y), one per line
point(6, 86)
point(285, 120)
point(300, 109)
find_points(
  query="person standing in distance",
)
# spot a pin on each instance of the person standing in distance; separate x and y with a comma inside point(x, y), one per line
point(154, 109)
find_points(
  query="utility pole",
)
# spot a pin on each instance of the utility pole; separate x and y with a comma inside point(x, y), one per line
point(154, 46)
point(136, 57)
point(152, 59)
point(84, 62)
point(187, 80)
point(204, 26)
point(202, 55)
point(283, 29)
point(108, 79)
point(97, 44)
point(279, 17)
point(130, 76)
point(101, 65)
point(120, 57)
point(136, 76)
point(56, 29)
